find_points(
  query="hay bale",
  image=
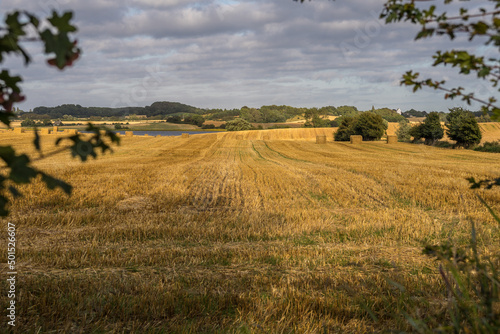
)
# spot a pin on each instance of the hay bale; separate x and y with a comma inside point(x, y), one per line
point(356, 139)
point(129, 133)
point(44, 131)
point(157, 136)
point(321, 139)
point(392, 139)
point(18, 130)
point(54, 130)
point(185, 135)
point(146, 135)
point(239, 137)
point(265, 137)
point(71, 131)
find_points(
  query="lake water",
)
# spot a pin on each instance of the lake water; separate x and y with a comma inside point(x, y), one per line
point(161, 133)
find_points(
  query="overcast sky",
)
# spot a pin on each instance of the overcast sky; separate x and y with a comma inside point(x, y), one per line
point(232, 53)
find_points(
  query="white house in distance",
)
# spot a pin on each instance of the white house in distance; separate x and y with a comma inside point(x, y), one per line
point(399, 111)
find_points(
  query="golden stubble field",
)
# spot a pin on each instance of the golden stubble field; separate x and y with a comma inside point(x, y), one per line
point(217, 234)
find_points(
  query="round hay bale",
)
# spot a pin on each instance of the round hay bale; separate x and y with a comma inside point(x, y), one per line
point(185, 135)
point(356, 139)
point(321, 139)
point(391, 139)
point(129, 133)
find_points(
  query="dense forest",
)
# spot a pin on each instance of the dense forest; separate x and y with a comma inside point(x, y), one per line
point(171, 111)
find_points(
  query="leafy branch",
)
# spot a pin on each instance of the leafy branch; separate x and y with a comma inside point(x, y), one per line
point(62, 50)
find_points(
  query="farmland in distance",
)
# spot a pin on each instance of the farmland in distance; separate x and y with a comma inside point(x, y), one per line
point(234, 232)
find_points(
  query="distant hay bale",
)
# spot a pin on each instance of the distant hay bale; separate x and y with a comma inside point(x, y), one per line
point(129, 133)
point(392, 139)
point(355, 139)
point(265, 137)
point(321, 139)
point(72, 131)
point(185, 135)
point(55, 129)
point(146, 135)
point(18, 130)
point(44, 131)
point(239, 137)
point(158, 136)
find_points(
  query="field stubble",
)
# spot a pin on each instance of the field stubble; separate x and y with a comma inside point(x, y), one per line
point(215, 234)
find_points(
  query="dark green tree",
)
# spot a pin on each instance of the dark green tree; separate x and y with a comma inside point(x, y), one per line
point(431, 129)
point(370, 125)
point(463, 128)
point(345, 130)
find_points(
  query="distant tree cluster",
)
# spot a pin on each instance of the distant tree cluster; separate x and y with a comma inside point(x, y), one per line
point(368, 124)
point(155, 109)
point(32, 123)
point(461, 126)
point(197, 120)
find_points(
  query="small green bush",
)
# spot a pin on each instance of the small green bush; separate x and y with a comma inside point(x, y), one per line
point(491, 146)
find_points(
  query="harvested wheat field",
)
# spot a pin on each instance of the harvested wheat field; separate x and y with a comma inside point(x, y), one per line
point(214, 234)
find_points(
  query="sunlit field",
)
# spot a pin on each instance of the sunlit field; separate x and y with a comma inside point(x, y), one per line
point(251, 232)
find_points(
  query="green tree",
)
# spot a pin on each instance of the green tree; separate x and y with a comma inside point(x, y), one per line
point(28, 123)
point(239, 124)
point(431, 129)
point(345, 130)
point(55, 34)
point(370, 125)
point(403, 131)
point(463, 128)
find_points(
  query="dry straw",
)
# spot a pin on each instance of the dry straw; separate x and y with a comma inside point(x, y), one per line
point(71, 131)
point(44, 131)
point(356, 139)
point(321, 139)
point(18, 130)
point(239, 137)
point(392, 139)
point(54, 130)
point(129, 133)
point(265, 137)
point(185, 135)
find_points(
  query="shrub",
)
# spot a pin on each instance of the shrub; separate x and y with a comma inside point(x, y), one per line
point(238, 124)
point(493, 147)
